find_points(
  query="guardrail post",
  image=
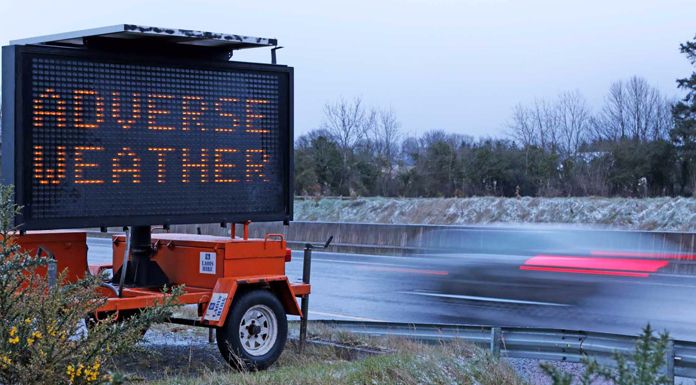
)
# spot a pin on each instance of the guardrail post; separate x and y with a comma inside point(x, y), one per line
point(669, 361)
point(496, 340)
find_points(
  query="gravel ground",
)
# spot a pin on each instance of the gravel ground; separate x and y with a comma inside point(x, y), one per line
point(530, 370)
point(171, 350)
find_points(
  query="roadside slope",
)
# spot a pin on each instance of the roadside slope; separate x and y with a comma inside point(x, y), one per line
point(666, 214)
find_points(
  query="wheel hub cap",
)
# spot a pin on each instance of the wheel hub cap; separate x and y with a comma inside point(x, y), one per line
point(258, 330)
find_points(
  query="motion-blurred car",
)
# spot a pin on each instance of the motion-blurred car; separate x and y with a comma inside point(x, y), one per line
point(548, 267)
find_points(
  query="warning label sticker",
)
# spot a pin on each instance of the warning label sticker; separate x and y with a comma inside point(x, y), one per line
point(207, 263)
point(217, 303)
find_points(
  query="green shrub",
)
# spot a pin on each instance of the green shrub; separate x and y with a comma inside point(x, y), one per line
point(645, 366)
point(43, 337)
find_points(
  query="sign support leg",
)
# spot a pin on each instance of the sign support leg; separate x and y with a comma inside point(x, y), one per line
point(306, 271)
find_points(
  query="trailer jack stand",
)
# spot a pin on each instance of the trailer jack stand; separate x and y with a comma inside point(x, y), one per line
point(211, 335)
point(306, 272)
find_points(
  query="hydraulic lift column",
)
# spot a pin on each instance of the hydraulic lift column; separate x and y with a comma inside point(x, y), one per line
point(141, 271)
point(141, 251)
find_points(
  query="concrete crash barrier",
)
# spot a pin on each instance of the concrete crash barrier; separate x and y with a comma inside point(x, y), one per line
point(391, 239)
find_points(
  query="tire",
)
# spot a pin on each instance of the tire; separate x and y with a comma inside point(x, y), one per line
point(255, 331)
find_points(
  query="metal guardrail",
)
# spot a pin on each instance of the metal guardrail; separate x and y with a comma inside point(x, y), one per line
point(534, 343)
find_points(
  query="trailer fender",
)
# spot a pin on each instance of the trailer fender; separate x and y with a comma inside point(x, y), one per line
point(226, 288)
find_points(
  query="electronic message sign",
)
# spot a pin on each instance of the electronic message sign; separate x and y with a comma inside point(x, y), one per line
point(94, 139)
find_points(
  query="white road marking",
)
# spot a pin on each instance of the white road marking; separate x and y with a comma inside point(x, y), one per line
point(334, 315)
point(362, 263)
point(484, 299)
point(330, 254)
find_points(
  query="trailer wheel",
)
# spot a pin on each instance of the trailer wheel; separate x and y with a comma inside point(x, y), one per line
point(255, 331)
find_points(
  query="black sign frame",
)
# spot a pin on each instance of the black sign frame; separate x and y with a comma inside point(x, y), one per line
point(17, 154)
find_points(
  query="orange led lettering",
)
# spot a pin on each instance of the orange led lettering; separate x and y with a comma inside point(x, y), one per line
point(153, 111)
point(255, 161)
point(49, 175)
point(234, 119)
point(41, 112)
point(187, 165)
point(161, 161)
point(116, 108)
point(117, 169)
point(192, 107)
point(220, 166)
point(251, 116)
point(79, 109)
point(81, 165)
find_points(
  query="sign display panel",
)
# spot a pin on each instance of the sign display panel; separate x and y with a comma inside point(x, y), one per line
point(99, 140)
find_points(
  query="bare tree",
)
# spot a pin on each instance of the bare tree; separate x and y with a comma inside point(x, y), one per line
point(385, 137)
point(664, 120)
point(573, 121)
point(522, 127)
point(545, 118)
point(640, 106)
point(387, 133)
point(346, 121)
point(536, 125)
point(633, 109)
point(611, 123)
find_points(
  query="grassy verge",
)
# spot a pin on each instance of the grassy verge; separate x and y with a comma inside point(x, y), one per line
point(395, 361)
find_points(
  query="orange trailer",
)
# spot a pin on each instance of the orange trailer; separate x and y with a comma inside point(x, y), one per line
point(238, 284)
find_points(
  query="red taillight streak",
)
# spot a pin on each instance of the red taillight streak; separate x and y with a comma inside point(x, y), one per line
point(288, 255)
point(585, 271)
point(643, 255)
point(621, 264)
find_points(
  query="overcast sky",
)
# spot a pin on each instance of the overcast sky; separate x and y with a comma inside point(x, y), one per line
point(454, 65)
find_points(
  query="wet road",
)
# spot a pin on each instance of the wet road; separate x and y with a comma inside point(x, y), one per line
point(440, 289)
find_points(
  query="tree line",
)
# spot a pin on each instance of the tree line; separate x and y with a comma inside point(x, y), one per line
point(639, 142)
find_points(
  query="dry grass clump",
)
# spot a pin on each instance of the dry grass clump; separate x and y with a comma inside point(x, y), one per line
point(392, 361)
